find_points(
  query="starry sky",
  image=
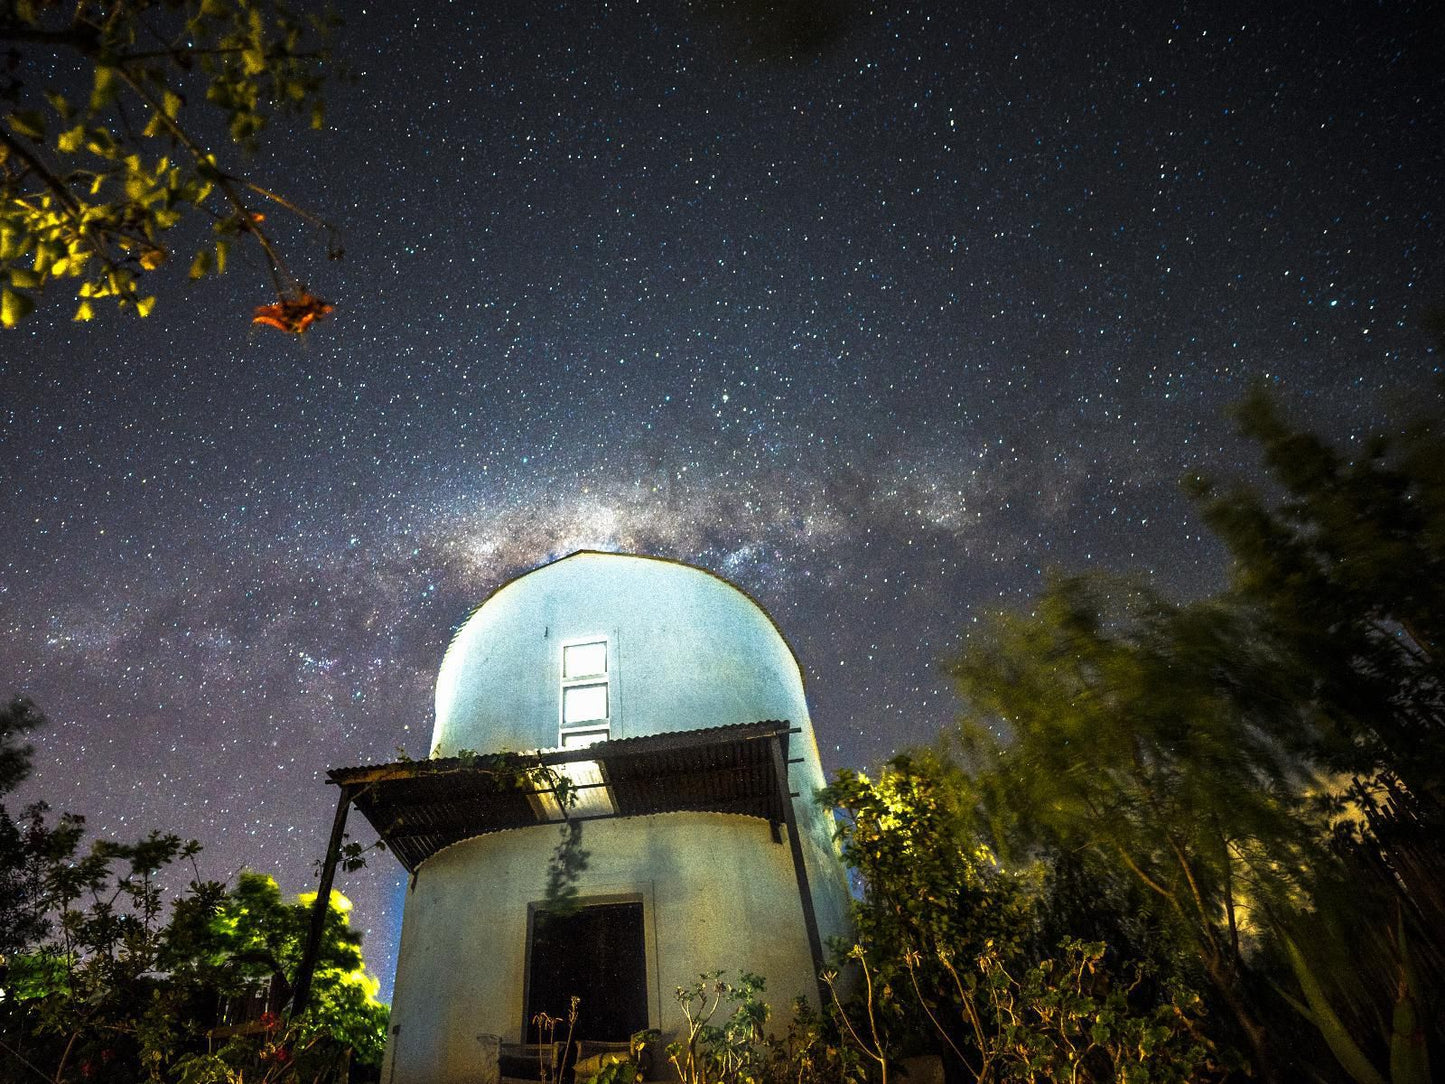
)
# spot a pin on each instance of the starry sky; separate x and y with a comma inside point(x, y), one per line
point(879, 312)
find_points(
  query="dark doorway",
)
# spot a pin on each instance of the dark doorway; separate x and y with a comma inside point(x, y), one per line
point(597, 954)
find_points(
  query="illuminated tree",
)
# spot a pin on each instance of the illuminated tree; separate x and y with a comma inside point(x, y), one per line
point(251, 942)
point(952, 946)
point(98, 981)
point(111, 150)
point(1267, 763)
point(1164, 741)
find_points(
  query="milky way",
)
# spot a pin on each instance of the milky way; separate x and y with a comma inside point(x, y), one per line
point(880, 332)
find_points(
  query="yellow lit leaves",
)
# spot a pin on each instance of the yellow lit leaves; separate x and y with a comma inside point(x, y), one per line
point(102, 93)
point(14, 307)
point(162, 119)
point(86, 196)
point(210, 261)
point(29, 123)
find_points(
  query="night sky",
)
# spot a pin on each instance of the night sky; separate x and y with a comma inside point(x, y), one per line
point(880, 333)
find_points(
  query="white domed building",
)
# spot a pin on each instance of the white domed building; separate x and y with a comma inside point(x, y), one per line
point(675, 709)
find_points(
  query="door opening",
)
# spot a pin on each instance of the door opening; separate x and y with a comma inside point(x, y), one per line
point(597, 954)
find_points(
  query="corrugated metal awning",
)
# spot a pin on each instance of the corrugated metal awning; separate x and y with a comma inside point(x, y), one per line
point(419, 807)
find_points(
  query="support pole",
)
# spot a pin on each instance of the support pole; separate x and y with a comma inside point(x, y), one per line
point(302, 989)
point(795, 842)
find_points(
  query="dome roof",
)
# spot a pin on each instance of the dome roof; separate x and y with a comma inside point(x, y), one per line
point(603, 646)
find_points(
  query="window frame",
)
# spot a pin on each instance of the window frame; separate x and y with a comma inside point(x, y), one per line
point(590, 730)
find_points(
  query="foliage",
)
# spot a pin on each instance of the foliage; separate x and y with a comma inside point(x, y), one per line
point(100, 983)
point(509, 771)
point(928, 881)
point(718, 1052)
point(1161, 738)
point(611, 1068)
point(740, 1050)
point(1265, 765)
point(25, 843)
point(1340, 558)
point(253, 939)
point(18, 717)
point(110, 152)
point(1069, 1018)
point(616, 1072)
point(1347, 566)
point(949, 951)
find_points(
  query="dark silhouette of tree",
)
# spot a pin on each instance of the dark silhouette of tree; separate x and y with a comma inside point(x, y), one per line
point(1348, 569)
point(100, 979)
point(1266, 763)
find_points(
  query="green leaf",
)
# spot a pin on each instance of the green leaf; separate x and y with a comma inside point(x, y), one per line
point(70, 142)
point(1351, 1058)
point(14, 307)
point(102, 93)
point(28, 122)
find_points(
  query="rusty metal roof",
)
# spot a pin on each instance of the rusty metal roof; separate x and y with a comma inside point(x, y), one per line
point(419, 807)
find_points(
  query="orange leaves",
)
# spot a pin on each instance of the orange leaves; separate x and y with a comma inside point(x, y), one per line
point(293, 316)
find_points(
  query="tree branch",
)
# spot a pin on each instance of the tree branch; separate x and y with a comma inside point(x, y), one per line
point(1170, 896)
point(41, 170)
point(278, 266)
point(84, 39)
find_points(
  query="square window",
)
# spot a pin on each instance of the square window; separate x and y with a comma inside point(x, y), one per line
point(584, 704)
point(584, 660)
point(580, 739)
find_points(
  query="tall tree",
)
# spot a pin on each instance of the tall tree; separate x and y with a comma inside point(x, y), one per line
point(1162, 739)
point(1347, 565)
point(1341, 554)
point(955, 948)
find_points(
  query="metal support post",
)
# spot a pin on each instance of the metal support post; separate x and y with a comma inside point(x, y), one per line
point(302, 988)
point(805, 894)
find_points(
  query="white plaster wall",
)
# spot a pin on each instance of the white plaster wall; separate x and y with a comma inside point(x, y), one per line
point(717, 893)
point(688, 650)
